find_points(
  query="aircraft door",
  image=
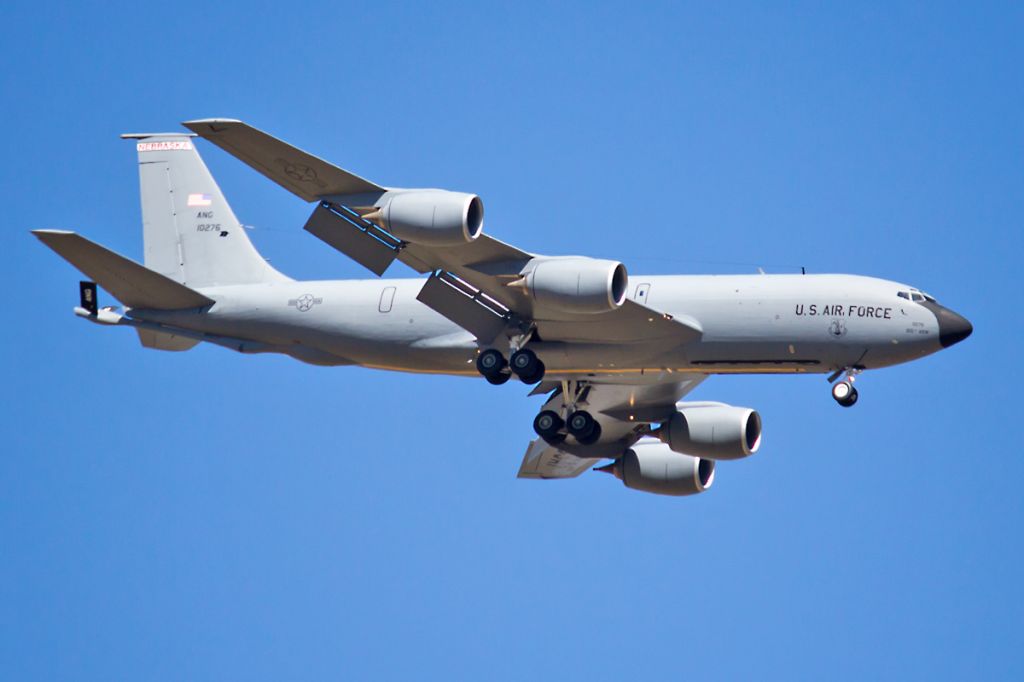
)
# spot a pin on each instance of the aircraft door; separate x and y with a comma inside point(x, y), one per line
point(387, 298)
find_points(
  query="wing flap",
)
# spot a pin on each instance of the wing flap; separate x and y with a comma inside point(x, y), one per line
point(545, 461)
point(346, 234)
point(132, 284)
point(464, 306)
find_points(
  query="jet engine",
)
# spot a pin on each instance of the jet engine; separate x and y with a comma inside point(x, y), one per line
point(578, 285)
point(432, 217)
point(652, 467)
point(712, 431)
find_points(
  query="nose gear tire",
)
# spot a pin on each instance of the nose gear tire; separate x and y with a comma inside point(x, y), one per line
point(850, 400)
point(844, 393)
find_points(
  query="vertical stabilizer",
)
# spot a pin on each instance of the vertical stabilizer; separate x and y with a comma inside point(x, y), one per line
point(191, 234)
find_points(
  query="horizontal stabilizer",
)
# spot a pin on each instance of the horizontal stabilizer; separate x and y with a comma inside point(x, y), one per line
point(298, 172)
point(132, 284)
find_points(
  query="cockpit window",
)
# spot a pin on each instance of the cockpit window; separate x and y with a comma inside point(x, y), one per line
point(915, 296)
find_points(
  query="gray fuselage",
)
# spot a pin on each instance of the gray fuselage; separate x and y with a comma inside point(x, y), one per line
point(750, 323)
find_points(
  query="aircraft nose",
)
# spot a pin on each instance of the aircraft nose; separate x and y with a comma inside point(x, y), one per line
point(953, 328)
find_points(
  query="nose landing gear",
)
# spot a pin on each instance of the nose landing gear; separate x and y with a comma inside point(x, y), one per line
point(843, 391)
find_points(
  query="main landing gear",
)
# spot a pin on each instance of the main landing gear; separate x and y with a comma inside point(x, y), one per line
point(843, 391)
point(548, 425)
point(579, 424)
point(524, 363)
point(491, 363)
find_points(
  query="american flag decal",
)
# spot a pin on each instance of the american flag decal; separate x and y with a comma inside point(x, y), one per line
point(199, 199)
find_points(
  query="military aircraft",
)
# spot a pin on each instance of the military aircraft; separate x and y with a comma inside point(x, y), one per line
point(614, 354)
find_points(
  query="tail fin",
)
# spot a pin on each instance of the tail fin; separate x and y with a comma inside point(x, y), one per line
point(191, 234)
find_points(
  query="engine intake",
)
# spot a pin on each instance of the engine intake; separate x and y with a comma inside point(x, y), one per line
point(652, 467)
point(432, 217)
point(578, 285)
point(712, 430)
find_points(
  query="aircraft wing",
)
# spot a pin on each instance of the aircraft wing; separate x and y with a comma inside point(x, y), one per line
point(547, 461)
point(622, 411)
point(472, 284)
point(298, 172)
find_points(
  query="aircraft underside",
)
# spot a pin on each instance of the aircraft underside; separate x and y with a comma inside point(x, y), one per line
point(613, 354)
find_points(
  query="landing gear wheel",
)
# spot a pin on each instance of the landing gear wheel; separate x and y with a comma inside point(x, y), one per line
point(583, 428)
point(497, 379)
point(594, 436)
point(536, 376)
point(527, 366)
point(490, 362)
point(844, 393)
point(548, 426)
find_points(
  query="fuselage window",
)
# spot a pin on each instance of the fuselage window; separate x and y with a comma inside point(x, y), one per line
point(916, 297)
point(387, 298)
point(904, 294)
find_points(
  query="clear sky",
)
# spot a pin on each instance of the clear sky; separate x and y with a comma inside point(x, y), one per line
point(206, 515)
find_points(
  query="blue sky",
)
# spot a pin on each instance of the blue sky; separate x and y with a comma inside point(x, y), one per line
point(205, 515)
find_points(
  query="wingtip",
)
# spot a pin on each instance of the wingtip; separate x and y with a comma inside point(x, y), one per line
point(145, 136)
point(39, 234)
point(206, 124)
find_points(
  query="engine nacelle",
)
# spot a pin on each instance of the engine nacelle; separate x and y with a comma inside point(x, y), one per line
point(578, 285)
point(432, 217)
point(652, 467)
point(712, 431)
